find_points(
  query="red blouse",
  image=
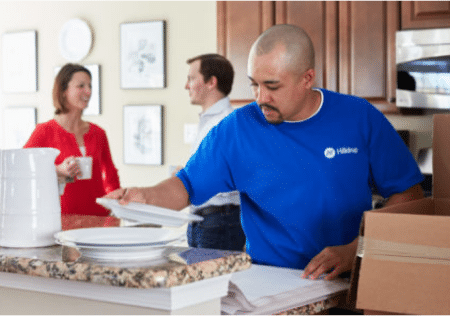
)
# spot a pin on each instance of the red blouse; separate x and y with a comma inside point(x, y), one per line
point(79, 197)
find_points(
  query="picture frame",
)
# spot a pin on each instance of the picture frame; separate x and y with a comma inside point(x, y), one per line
point(19, 123)
point(143, 134)
point(19, 62)
point(142, 55)
point(94, 106)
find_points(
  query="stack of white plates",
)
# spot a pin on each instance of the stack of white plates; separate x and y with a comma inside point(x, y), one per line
point(119, 243)
point(149, 214)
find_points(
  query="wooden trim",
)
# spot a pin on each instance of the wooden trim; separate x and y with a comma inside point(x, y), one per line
point(221, 30)
point(344, 74)
point(241, 102)
point(392, 26)
point(268, 14)
point(280, 12)
point(331, 63)
point(384, 107)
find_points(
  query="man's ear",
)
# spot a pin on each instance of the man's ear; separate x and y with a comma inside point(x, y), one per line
point(212, 82)
point(310, 77)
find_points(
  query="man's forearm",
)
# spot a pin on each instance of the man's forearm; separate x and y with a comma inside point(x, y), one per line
point(169, 193)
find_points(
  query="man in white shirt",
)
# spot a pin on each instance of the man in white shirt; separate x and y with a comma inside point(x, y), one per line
point(209, 82)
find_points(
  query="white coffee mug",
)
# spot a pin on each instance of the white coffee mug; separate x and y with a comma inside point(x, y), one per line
point(85, 164)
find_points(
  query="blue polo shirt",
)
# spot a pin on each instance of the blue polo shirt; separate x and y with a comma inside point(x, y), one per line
point(303, 185)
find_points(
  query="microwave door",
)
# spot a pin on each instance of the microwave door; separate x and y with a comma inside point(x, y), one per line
point(423, 68)
point(412, 99)
point(424, 83)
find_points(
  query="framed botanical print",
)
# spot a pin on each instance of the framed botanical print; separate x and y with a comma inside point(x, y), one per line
point(142, 55)
point(142, 134)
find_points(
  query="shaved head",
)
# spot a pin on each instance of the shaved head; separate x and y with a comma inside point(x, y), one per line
point(299, 50)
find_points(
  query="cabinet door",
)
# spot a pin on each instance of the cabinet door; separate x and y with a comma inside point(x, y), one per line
point(319, 20)
point(239, 25)
point(354, 43)
point(367, 49)
point(425, 14)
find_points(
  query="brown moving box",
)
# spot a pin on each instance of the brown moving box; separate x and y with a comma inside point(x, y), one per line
point(403, 262)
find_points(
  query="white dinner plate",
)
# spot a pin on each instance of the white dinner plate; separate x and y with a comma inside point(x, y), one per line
point(150, 214)
point(118, 236)
point(119, 243)
point(75, 40)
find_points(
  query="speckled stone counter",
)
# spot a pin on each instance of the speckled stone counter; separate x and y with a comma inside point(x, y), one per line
point(179, 266)
point(47, 279)
point(60, 274)
point(65, 263)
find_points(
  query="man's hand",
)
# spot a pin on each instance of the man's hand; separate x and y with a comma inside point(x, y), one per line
point(169, 193)
point(127, 195)
point(331, 261)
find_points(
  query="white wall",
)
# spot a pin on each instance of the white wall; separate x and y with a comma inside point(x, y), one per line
point(191, 30)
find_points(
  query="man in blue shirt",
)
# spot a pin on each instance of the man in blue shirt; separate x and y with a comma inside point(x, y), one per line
point(303, 159)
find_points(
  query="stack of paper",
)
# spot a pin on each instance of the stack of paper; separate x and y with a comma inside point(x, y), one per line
point(269, 290)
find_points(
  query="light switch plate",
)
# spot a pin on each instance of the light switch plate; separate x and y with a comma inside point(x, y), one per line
point(190, 131)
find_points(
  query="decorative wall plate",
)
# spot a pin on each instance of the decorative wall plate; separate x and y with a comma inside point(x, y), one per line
point(75, 40)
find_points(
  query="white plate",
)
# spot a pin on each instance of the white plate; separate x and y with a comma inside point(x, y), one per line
point(118, 236)
point(150, 214)
point(114, 243)
point(118, 253)
point(75, 39)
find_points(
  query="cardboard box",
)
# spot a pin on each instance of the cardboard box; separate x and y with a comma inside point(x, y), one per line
point(404, 262)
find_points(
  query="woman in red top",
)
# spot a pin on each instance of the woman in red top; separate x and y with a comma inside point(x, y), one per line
point(75, 137)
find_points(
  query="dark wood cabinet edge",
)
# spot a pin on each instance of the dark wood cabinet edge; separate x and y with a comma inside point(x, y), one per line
point(387, 108)
point(413, 20)
point(240, 103)
point(383, 107)
point(391, 109)
point(221, 34)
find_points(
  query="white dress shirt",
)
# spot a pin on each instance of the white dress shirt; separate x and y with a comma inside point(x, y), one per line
point(208, 119)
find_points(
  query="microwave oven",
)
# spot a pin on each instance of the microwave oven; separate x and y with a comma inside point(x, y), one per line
point(423, 68)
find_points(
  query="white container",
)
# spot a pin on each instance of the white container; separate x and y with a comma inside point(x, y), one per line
point(30, 210)
point(85, 164)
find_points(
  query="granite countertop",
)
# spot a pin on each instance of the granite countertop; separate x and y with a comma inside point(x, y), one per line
point(178, 266)
point(65, 263)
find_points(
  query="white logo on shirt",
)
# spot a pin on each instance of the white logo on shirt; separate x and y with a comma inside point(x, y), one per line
point(331, 152)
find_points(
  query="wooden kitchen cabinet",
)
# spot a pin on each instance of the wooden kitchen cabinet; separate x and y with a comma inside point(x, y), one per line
point(367, 50)
point(354, 42)
point(241, 22)
point(425, 14)
point(239, 25)
point(320, 21)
